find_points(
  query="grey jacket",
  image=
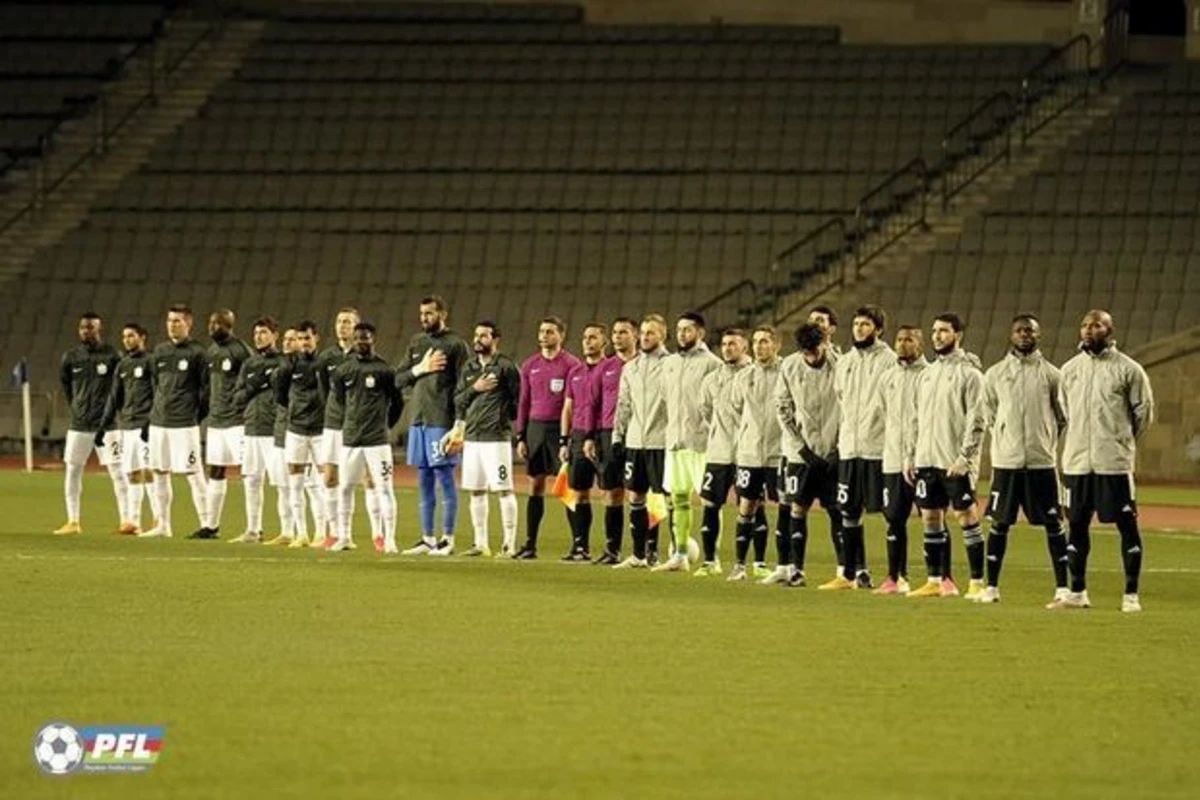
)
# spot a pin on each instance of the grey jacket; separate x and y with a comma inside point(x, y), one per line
point(1109, 404)
point(949, 389)
point(807, 407)
point(859, 372)
point(716, 407)
point(1020, 405)
point(898, 393)
point(641, 419)
point(754, 402)
point(683, 379)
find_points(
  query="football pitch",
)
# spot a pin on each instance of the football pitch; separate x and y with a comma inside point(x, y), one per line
point(282, 673)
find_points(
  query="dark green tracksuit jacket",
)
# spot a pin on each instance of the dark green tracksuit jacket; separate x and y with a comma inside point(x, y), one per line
point(432, 396)
point(299, 390)
point(255, 394)
point(180, 384)
point(225, 361)
point(132, 394)
point(86, 373)
point(366, 388)
point(489, 415)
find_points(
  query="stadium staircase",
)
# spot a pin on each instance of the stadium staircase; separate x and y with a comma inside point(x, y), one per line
point(159, 87)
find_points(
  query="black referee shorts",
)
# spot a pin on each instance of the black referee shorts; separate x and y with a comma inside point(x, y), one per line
point(1034, 491)
point(1106, 496)
point(581, 471)
point(542, 440)
point(610, 462)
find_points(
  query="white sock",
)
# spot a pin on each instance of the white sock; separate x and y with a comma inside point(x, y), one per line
point(73, 490)
point(345, 511)
point(372, 500)
point(333, 508)
point(316, 501)
point(133, 507)
point(162, 487)
point(283, 507)
point(508, 519)
point(152, 496)
point(253, 485)
point(121, 492)
point(199, 496)
point(387, 511)
point(216, 501)
point(479, 519)
point(296, 499)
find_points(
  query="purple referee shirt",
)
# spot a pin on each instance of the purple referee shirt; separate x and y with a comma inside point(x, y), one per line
point(543, 388)
point(579, 391)
point(606, 386)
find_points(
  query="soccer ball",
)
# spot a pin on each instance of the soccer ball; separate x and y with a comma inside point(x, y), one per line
point(693, 551)
point(58, 749)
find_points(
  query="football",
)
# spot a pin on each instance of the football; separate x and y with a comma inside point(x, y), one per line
point(58, 749)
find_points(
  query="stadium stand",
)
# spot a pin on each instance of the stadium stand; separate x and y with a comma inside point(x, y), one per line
point(519, 167)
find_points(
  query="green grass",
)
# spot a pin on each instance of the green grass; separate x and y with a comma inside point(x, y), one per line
point(301, 674)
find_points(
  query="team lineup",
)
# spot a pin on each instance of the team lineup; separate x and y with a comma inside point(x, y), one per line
point(876, 429)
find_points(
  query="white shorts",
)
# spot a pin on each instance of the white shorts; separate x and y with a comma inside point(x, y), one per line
point(224, 447)
point(376, 461)
point(277, 472)
point(330, 450)
point(487, 466)
point(299, 449)
point(80, 445)
point(135, 454)
point(175, 449)
point(257, 453)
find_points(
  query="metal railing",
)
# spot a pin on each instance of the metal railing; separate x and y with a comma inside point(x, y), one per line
point(735, 305)
point(1055, 84)
point(976, 144)
point(110, 117)
point(1113, 42)
point(818, 259)
point(891, 210)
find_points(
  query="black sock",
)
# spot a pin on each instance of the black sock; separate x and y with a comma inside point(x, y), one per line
point(614, 521)
point(535, 509)
point(639, 524)
point(651, 537)
point(852, 541)
point(1131, 550)
point(973, 536)
point(761, 532)
point(745, 532)
point(997, 543)
point(835, 536)
point(947, 554)
point(710, 531)
point(799, 527)
point(583, 526)
point(1077, 554)
point(1056, 543)
point(935, 557)
point(897, 544)
point(783, 535)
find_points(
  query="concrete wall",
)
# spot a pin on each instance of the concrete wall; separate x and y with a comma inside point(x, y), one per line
point(1170, 450)
point(898, 21)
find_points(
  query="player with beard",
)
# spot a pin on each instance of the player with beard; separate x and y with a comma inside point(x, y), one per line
point(827, 320)
point(435, 360)
point(860, 441)
point(486, 402)
point(948, 391)
point(1109, 405)
point(300, 391)
point(640, 427)
point(129, 403)
point(899, 393)
point(223, 446)
point(1021, 408)
point(86, 373)
point(720, 470)
point(809, 415)
point(577, 425)
point(539, 422)
point(684, 372)
point(599, 447)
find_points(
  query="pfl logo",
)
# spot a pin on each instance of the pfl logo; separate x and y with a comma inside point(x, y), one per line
point(60, 749)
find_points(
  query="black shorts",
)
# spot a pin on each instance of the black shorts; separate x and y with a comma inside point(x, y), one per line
point(803, 484)
point(860, 486)
point(937, 490)
point(542, 440)
point(718, 480)
point(644, 470)
point(757, 483)
point(581, 471)
point(1034, 491)
point(897, 497)
point(610, 462)
point(1107, 496)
